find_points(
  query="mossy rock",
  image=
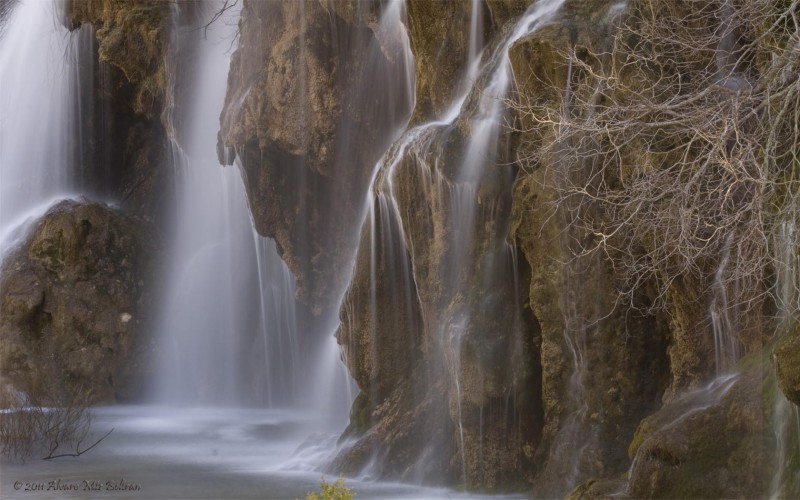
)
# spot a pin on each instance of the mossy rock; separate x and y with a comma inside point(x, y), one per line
point(75, 304)
point(787, 364)
point(714, 442)
point(132, 36)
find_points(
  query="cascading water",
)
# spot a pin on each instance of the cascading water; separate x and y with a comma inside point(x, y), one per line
point(785, 415)
point(479, 254)
point(229, 324)
point(246, 370)
point(39, 161)
point(453, 298)
point(727, 350)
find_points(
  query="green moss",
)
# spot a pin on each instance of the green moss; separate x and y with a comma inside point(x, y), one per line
point(642, 433)
point(360, 415)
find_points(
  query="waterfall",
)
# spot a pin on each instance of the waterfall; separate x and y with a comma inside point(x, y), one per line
point(233, 332)
point(785, 415)
point(469, 218)
point(228, 323)
point(435, 325)
point(40, 77)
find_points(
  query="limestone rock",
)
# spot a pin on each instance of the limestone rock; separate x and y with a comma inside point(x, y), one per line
point(314, 96)
point(76, 300)
point(787, 364)
point(604, 367)
point(440, 38)
point(714, 442)
point(427, 304)
point(132, 37)
point(125, 79)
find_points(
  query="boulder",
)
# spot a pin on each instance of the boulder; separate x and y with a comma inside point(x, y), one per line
point(75, 307)
point(712, 442)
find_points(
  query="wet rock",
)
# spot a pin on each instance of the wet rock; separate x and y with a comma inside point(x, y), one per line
point(408, 438)
point(604, 366)
point(787, 364)
point(125, 110)
point(603, 369)
point(313, 97)
point(132, 36)
point(597, 489)
point(444, 311)
point(503, 11)
point(440, 38)
point(495, 359)
point(714, 442)
point(76, 300)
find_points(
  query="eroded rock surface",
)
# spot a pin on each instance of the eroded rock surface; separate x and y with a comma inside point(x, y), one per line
point(787, 364)
point(125, 141)
point(714, 442)
point(314, 96)
point(75, 308)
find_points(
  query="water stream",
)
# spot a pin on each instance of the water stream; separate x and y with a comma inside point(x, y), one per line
point(785, 415)
point(38, 156)
point(229, 323)
point(477, 257)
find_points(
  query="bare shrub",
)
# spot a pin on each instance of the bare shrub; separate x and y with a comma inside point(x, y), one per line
point(675, 151)
point(30, 430)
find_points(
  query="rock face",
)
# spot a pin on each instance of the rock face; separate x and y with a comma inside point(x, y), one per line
point(132, 37)
point(123, 123)
point(597, 382)
point(314, 97)
point(433, 309)
point(714, 442)
point(455, 392)
point(440, 38)
point(787, 364)
point(75, 305)
point(604, 367)
point(433, 327)
point(582, 371)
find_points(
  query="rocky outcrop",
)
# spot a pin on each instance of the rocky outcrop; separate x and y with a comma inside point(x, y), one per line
point(132, 37)
point(572, 295)
point(461, 349)
point(433, 326)
point(583, 368)
point(603, 368)
point(441, 33)
point(123, 120)
point(75, 307)
point(713, 442)
point(314, 96)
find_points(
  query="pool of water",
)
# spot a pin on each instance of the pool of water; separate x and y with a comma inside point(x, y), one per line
point(197, 453)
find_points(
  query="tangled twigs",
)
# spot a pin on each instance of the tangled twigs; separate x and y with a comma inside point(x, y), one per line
point(677, 149)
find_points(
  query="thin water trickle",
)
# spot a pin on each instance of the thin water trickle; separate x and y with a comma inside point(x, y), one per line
point(727, 350)
point(476, 242)
point(786, 417)
point(787, 266)
point(786, 430)
point(470, 214)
